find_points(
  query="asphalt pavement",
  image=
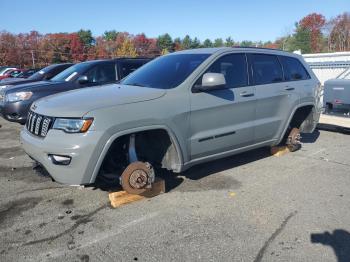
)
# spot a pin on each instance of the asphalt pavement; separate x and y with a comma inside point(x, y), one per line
point(249, 207)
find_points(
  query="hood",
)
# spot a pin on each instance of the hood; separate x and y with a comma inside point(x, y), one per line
point(77, 103)
point(32, 86)
point(16, 81)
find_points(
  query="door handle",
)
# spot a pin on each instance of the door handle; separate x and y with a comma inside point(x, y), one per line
point(246, 94)
point(289, 88)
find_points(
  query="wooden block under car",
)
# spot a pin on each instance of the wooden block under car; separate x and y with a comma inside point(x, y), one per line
point(122, 197)
point(279, 150)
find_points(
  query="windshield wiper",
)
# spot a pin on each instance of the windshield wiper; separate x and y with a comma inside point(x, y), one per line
point(135, 84)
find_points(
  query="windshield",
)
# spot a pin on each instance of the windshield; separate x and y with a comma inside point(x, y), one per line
point(165, 72)
point(71, 72)
point(40, 74)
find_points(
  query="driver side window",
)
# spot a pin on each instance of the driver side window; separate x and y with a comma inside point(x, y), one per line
point(234, 69)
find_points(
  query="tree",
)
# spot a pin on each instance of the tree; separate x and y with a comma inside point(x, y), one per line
point(86, 37)
point(76, 48)
point(142, 44)
point(187, 42)
point(229, 42)
point(110, 35)
point(207, 43)
point(177, 44)
point(218, 42)
point(127, 49)
point(165, 42)
point(246, 43)
point(195, 43)
point(314, 23)
point(339, 38)
point(301, 40)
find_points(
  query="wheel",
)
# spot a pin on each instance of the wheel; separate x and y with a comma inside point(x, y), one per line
point(293, 140)
point(137, 178)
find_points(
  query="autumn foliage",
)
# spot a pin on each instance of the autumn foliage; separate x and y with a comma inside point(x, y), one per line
point(313, 33)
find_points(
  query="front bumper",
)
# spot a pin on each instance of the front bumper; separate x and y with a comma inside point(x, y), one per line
point(15, 112)
point(82, 148)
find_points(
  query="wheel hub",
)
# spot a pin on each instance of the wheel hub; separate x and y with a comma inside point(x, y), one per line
point(293, 141)
point(137, 177)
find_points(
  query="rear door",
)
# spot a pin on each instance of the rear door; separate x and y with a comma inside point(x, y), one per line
point(275, 97)
point(223, 120)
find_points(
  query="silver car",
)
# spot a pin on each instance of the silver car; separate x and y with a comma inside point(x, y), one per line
point(178, 110)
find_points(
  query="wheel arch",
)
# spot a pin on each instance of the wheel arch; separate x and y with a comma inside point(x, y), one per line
point(130, 131)
point(311, 108)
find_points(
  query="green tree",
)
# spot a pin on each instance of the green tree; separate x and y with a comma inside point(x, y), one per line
point(86, 37)
point(218, 42)
point(195, 43)
point(229, 42)
point(301, 40)
point(110, 35)
point(187, 42)
point(165, 42)
point(207, 43)
point(246, 43)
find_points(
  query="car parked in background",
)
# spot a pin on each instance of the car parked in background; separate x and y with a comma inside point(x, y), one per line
point(6, 70)
point(15, 101)
point(179, 110)
point(44, 74)
point(12, 73)
point(27, 73)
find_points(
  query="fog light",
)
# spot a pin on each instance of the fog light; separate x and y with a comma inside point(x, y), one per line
point(60, 160)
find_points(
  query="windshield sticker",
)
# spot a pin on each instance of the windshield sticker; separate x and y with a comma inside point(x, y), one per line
point(71, 76)
point(41, 72)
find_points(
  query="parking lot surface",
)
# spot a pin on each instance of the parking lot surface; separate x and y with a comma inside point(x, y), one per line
point(249, 207)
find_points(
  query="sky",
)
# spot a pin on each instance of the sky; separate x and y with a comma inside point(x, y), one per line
point(242, 20)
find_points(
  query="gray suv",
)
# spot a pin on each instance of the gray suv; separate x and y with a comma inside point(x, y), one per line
point(178, 110)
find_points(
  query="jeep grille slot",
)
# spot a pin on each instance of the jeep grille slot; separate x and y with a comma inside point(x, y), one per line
point(38, 125)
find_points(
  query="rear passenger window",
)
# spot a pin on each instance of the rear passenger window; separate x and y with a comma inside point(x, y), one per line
point(293, 69)
point(266, 69)
point(128, 67)
point(233, 67)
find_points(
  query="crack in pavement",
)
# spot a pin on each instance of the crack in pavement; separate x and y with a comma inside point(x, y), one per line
point(267, 243)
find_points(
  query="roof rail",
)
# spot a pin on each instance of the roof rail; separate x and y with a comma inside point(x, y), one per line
point(264, 48)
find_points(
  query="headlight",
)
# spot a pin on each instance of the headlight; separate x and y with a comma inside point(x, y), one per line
point(70, 125)
point(19, 96)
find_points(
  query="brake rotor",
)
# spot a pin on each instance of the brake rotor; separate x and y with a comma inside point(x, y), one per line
point(137, 178)
point(293, 141)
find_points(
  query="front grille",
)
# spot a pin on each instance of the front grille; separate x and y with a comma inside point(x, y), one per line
point(38, 125)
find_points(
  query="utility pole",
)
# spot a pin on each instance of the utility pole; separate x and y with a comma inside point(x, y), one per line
point(33, 58)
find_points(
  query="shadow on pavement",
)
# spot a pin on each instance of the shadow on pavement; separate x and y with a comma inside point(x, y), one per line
point(339, 240)
point(207, 169)
point(310, 138)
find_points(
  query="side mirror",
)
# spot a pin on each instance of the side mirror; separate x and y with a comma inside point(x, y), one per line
point(211, 81)
point(83, 80)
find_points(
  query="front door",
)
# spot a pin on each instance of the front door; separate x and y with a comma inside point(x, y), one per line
point(223, 120)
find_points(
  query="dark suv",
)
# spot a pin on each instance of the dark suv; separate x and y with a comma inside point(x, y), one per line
point(44, 74)
point(15, 101)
